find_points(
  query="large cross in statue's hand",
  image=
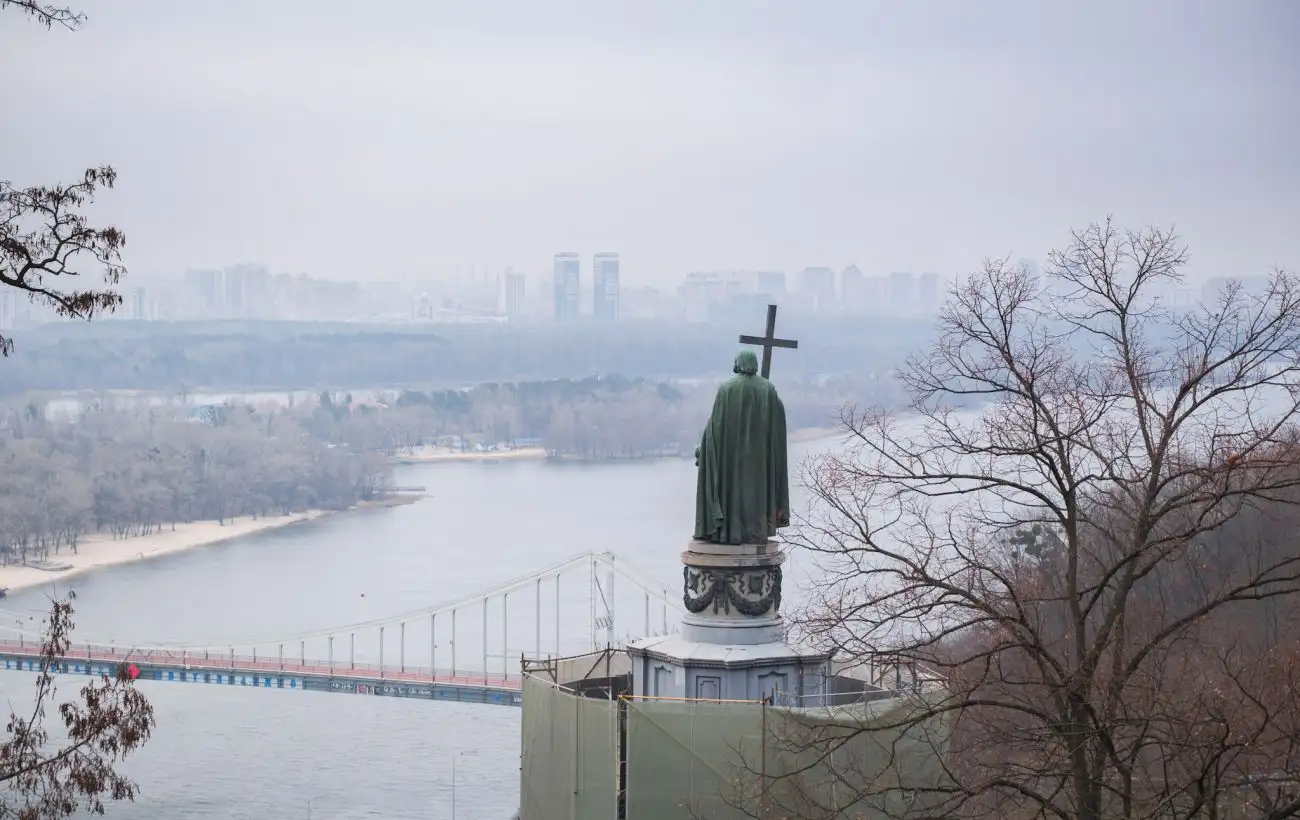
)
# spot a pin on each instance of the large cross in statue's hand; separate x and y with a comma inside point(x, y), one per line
point(768, 341)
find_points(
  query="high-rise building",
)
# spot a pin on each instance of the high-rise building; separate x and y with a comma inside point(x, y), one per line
point(138, 306)
point(818, 285)
point(770, 283)
point(233, 292)
point(510, 293)
point(247, 291)
point(208, 289)
point(604, 287)
point(566, 279)
point(853, 289)
point(902, 290)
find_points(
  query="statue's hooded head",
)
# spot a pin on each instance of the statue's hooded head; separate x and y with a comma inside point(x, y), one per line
point(746, 363)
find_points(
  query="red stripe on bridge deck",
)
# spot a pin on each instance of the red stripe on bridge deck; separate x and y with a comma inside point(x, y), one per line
point(185, 661)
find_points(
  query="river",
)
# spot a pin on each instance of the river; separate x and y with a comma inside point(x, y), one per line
point(222, 752)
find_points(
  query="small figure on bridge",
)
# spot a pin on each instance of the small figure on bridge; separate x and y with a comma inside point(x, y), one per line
point(743, 486)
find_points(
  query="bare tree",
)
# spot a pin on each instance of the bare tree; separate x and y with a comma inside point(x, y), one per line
point(53, 777)
point(47, 14)
point(1067, 557)
point(43, 234)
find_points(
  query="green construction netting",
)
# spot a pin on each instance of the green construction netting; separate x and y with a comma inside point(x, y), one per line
point(702, 759)
point(570, 755)
point(865, 761)
point(687, 758)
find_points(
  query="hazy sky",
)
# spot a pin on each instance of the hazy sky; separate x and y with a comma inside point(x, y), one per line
point(379, 140)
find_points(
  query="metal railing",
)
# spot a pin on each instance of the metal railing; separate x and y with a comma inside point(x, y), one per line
point(211, 661)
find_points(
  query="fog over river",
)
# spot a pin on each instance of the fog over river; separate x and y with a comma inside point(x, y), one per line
point(229, 752)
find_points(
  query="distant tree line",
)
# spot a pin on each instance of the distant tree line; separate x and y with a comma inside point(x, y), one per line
point(172, 357)
point(136, 471)
point(592, 418)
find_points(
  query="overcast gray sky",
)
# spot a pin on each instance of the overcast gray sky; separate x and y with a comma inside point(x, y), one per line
point(386, 138)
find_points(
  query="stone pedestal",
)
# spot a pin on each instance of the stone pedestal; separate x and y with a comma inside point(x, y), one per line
point(732, 643)
point(732, 594)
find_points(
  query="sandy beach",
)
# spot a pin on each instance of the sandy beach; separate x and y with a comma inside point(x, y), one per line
point(102, 550)
point(431, 455)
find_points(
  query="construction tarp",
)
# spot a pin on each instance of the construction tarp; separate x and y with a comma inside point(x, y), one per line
point(708, 759)
point(570, 755)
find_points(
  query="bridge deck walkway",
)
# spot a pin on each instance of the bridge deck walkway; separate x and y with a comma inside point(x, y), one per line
point(277, 672)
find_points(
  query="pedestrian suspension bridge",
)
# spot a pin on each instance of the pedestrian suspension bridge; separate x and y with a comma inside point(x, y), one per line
point(469, 649)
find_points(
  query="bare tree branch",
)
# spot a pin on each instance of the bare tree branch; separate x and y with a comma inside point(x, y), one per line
point(42, 229)
point(1097, 563)
point(52, 778)
point(47, 14)
point(42, 233)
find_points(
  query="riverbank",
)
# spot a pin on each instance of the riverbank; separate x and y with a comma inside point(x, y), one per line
point(433, 455)
point(101, 550)
point(804, 435)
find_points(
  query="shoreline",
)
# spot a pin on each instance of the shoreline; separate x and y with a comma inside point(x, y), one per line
point(102, 550)
point(434, 455)
point(803, 435)
point(437, 455)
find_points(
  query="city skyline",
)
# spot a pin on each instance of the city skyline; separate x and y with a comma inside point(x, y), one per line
point(563, 295)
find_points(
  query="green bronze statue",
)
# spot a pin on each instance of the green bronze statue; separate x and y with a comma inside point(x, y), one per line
point(743, 485)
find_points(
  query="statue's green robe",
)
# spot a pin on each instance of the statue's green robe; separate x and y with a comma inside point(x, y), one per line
point(743, 486)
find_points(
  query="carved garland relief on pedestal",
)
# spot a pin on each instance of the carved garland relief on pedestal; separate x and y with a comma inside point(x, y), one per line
point(748, 592)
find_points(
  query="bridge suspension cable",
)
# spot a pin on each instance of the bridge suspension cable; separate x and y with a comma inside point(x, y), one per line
point(651, 587)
